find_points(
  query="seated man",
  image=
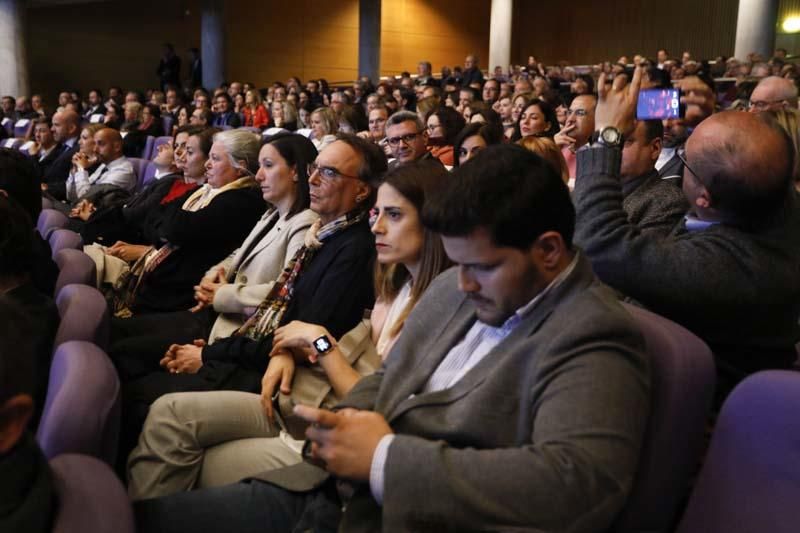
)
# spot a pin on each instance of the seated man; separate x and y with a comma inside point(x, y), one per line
point(27, 495)
point(515, 398)
point(730, 272)
point(652, 203)
point(225, 115)
point(66, 131)
point(773, 93)
point(407, 137)
point(115, 171)
point(577, 130)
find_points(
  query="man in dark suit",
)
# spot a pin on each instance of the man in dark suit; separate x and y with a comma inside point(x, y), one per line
point(472, 73)
point(225, 115)
point(66, 129)
point(729, 272)
point(515, 398)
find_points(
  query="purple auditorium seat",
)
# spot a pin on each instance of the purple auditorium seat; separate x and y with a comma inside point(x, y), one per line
point(158, 142)
point(91, 499)
point(683, 379)
point(49, 221)
point(8, 124)
point(750, 480)
point(74, 266)
point(167, 121)
point(269, 132)
point(139, 166)
point(82, 410)
point(147, 151)
point(149, 174)
point(61, 239)
point(47, 203)
point(12, 143)
point(84, 315)
point(21, 127)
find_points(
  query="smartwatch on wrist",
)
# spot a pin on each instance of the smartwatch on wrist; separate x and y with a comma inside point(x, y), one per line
point(323, 345)
point(609, 136)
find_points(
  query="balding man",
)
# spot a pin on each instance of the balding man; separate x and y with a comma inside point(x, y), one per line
point(66, 129)
point(728, 271)
point(114, 171)
point(773, 93)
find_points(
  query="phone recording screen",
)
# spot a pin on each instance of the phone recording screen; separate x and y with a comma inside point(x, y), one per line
point(659, 104)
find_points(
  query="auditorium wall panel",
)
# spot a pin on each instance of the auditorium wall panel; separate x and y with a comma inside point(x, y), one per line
point(586, 31)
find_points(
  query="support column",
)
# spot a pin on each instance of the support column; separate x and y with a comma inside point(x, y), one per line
point(212, 39)
point(369, 39)
point(13, 58)
point(500, 34)
point(755, 28)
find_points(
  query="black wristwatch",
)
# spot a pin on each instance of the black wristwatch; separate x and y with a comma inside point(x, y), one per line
point(609, 136)
point(323, 345)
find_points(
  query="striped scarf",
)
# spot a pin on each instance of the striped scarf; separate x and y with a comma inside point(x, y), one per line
point(269, 313)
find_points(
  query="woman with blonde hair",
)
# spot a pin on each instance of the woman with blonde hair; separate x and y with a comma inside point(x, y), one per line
point(324, 126)
point(548, 150)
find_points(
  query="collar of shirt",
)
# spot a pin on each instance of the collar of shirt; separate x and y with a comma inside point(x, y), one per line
point(71, 141)
point(695, 224)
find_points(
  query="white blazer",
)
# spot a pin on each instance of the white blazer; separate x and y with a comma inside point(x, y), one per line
point(258, 270)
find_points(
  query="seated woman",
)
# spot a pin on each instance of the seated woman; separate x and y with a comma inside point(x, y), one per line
point(244, 278)
point(325, 283)
point(254, 113)
point(324, 126)
point(474, 138)
point(284, 115)
point(519, 102)
point(173, 455)
point(131, 223)
point(538, 118)
point(443, 125)
point(151, 121)
point(200, 229)
point(182, 117)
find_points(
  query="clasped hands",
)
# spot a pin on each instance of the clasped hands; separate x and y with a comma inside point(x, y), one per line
point(205, 291)
point(83, 210)
point(127, 252)
point(184, 358)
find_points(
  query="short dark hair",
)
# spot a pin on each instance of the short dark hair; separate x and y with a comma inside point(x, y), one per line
point(224, 95)
point(653, 129)
point(511, 192)
point(19, 178)
point(373, 162)
point(491, 133)
point(451, 122)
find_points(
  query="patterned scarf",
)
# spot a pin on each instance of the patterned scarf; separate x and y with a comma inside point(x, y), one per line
point(267, 317)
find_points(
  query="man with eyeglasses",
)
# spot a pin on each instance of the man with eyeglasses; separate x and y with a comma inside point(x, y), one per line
point(773, 93)
point(729, 270)
point(407, 138)
point(577, 129)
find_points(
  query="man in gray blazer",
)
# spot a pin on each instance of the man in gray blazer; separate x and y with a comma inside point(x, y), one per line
point(729, 270)
point(515, 398)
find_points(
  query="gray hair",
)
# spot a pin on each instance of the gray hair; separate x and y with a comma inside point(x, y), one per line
point(404, 116)
point(241, 145)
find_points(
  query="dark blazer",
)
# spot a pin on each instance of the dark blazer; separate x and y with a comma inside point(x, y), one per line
point(333, 291)
point(27, 489)
point(737, 289)
point(55, 176)
point(45, 164)
point(654, 204)
point(204, 238)
point(230, 118)
point(543, 434)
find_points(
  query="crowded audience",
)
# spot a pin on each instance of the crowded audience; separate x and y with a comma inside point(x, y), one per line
point(397, 304)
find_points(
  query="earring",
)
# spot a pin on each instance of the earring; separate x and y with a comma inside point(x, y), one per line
point(359, 198)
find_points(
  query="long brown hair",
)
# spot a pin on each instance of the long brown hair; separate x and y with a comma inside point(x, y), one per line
point(416, 182)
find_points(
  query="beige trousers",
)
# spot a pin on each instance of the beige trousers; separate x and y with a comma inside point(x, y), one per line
point(204, 439)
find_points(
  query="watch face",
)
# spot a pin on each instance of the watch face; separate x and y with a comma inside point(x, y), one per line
point(610, 135)
point(322, 344)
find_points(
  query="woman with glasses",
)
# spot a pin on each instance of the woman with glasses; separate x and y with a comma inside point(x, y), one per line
point(409, 258)
point(443, 125)
point(325, 282)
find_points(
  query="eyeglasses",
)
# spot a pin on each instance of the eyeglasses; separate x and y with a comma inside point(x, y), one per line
point(763, 104)
point(327, 173)
point(407, 139)
point(682, 157)
point(577, 112)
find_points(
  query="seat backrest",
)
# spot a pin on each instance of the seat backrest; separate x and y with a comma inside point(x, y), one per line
point(305, 132)
point(167, 121)
point(84, 316)
point(21, 127)
point(139, 166)
point(682, 378)
point(269, 132)
point(61, 239)
point(49, 221)
point(147, 151)
point(8, 124)
point(13, 143)
point(149, 174)
point(74, 266)
point(82, 410)
point(91, 499)
point(750, 479)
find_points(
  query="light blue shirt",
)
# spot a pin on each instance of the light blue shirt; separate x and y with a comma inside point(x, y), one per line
point(479, 341)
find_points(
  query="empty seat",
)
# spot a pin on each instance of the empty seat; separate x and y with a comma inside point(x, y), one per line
point(91, 499)
point(84, 315)
point(74, 266)
point(82, 410)
point(62, 239)
point(21, 127)
point(683, 378)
